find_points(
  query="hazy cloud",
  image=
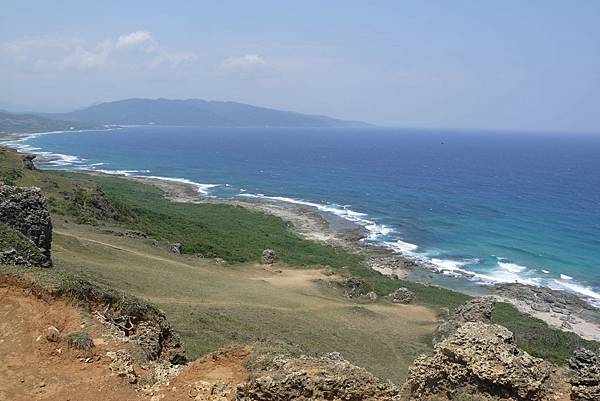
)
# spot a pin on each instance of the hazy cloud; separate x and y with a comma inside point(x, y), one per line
point(134, 39)
point(245, 62)
point(134, 49)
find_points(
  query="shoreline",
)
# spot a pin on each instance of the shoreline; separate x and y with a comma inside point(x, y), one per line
point(314, 224)
point(558, 309)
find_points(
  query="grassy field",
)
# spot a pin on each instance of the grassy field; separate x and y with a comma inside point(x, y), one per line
point(213, 305)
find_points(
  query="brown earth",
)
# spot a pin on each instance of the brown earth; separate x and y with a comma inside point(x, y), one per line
point(35, 368)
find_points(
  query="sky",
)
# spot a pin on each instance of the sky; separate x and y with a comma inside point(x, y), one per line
point(504, 65)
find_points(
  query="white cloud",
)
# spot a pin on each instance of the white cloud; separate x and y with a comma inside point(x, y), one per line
point(134, 39)
point(135, 49)
point(245, 62)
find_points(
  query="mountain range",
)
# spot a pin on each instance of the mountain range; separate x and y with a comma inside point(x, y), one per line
point(196, 112)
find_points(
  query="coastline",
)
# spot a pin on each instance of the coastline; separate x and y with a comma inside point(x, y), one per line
point(319, 225)
point(558, 309)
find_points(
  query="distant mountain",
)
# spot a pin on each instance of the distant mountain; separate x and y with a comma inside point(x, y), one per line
point(196, 112)
point(26, 123)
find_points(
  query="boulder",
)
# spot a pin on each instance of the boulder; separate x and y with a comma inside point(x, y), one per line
point(583, 358)
point(586, 385)
point(122, 365)
point(28, 161)
point(268, 257)
point(402, 296)
point(475, 310)
point(356, 287)
point(484, 358)
point(176, 248)
point(158, 342)
point(309, 378)
point(371, 296)
point(52, 334)
point(25, 211)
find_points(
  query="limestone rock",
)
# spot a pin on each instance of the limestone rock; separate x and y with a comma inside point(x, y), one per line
point(586, 385)
point(485, 358)
point(122, 365)
point(268, 257)
point(402, 296)
point(583, 358)
point(159, 342)
point(52, 334)
point(307, 378)
point(176, 248)
point(28, 161)
point(25, 211)
point(356, 287)
point(475, 310)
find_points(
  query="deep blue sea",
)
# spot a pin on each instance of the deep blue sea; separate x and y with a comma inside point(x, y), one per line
point(505, 206)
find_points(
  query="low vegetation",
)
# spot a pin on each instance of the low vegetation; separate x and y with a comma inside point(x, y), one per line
point(537, 338)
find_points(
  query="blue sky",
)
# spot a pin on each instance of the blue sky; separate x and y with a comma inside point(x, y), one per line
point(519, 65)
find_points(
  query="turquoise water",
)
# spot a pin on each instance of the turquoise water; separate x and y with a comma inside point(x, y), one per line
point(503, 206)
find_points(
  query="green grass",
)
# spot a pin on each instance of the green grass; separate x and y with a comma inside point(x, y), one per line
point(537, 338)
point(233, 233)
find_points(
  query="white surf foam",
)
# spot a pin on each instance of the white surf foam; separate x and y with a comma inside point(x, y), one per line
point(375, 230)
point(201, 188)
point(511, 267)
point(565, 277)
point(401, 246)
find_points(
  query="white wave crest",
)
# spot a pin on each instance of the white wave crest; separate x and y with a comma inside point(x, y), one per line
point(374, 229)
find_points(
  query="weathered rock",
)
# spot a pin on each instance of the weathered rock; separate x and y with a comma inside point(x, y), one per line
point(25, 211)
point(159, 342)
point(356, 287)
point(475, 310)
point(371, 296)
point(268, 257)
point(52, 334)
point(586, 385)
point(402, 296)
point(583, 358)
point(307, 378)
point(28, 161)
point(122, 365)
point(176, 248)
point(482, 357)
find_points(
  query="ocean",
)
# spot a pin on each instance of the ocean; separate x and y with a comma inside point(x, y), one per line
point(499, 206)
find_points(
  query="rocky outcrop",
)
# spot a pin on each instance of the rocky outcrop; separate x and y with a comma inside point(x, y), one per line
point(475, 310)
point(122, 365)
point(159, 342)
point(307, 378)
point(176, 248)
point(355, 287)
point(482, 357)
point(28, 161)
point(268, 257)
point(583, 358)
point(25, 211)
point(543, 299)
point(402, 296)
point(585, 386)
